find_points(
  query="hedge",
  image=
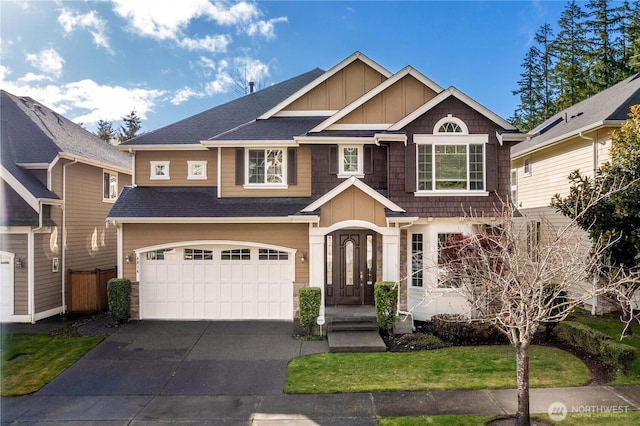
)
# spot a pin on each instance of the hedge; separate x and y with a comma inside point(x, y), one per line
point(385, 294)
point(457, 330)
point(596, 343)
point(119, 297)
point(309, 299)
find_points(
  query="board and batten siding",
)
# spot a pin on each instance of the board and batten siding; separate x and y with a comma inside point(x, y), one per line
point(178, 167)
point(339, 90)
point(302, 188)
point(551, 167)
point(295, 236)
point(17, 244)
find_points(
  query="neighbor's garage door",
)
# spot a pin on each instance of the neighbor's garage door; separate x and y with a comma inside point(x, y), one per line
point(6, 286)
point(216, 283)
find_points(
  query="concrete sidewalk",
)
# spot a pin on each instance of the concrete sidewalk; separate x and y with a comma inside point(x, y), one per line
point(208, 372)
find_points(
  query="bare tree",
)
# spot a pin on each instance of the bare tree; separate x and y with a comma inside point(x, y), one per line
point(519, 286)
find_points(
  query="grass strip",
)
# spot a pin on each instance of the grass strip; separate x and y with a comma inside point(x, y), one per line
point(30, 361)
point(470, 367)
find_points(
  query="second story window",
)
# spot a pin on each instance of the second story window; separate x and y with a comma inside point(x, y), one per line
point(451, 160)
point(266, 167)
point(197, 170)
point(160, 170)
point(351, 161)
point(109, 186)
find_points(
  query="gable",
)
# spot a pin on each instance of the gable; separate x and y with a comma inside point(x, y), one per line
point(339, 90)
point(352, 204)
point(392, 104)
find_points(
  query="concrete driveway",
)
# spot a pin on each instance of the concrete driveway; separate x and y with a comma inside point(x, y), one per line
point(186, 358)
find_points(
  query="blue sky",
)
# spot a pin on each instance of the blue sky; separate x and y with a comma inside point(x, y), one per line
point(170, 59)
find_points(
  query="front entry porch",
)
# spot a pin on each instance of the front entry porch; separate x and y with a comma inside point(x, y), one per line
point(353, 328)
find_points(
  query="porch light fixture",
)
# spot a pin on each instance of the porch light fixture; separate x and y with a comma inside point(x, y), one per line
point(19, 263)
point(127, 258)
point(303, 257)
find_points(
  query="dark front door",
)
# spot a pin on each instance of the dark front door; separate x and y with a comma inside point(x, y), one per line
point(353, 267)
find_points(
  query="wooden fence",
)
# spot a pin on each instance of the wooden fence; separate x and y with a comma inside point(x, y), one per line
point(87, 290)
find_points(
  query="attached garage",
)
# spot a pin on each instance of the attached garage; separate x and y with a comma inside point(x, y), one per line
point(216, 282)
point(6, 286)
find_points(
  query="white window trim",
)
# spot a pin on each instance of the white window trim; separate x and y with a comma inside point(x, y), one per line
point(453, 139)
point(111, 173)
point(282, 185)
point(525, 173)
point(447, 119)
point(341, 172)
point(191, 164)
point(514, 185)
point(153, 169)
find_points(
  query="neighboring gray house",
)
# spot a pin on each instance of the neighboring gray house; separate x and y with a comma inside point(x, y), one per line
point(57, 184)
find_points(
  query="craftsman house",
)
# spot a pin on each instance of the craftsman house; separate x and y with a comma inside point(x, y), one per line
point(57, 184)
point(335, 179)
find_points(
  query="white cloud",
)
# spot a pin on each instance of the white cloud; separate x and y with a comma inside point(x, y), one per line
point(91, 21)
point(184, 95)
point(233, 77)
point(169, 19)
point(48, 61)
point(265, 28)
point(31, 77)
point(215, 44)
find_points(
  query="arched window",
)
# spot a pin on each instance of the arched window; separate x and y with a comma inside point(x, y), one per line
point(450, 124)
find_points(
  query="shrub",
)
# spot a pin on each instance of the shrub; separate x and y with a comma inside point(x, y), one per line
point(386, 299)
point(596, 343)
point(310, 298)
point(459, 331)
point(558, 299)
point(421, 341)
point(119, 295)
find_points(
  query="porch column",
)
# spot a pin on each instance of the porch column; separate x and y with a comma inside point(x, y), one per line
point(316, 264)
point(391, 254)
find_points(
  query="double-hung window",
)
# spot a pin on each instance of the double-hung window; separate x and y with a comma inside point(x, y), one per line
point(451, 160)
point(266, 167)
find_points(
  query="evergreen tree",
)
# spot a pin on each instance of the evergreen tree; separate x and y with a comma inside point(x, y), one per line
point(534, 87)
point(605, 63)
point(132, 124)
point(570, 76)
point(629, 45)
point(105, 131)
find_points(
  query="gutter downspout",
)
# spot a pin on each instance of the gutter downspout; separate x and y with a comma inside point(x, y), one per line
point(31, 270)
point(594, 284)
point(63, 250)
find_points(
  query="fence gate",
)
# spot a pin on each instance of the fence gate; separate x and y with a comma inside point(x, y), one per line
point(87, 290)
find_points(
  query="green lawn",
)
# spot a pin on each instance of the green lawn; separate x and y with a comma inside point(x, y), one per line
point(473, 367)
point(611, 326)
point(600, 419)
point(30, 361)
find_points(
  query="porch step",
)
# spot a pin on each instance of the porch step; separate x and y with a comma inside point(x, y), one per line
point(343, 324)
point(356, 341)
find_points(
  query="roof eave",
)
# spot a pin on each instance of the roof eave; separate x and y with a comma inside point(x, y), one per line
point(267, 219)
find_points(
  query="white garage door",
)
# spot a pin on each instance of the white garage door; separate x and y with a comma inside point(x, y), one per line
point(216, 283)
point(6, 286)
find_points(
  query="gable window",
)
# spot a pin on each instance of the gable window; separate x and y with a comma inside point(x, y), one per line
point(109, 186)
point(351, 160)
point(160, 170)
point(197, 170)
point(266, 167)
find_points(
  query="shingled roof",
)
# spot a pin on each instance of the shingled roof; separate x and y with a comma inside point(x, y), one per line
point(155, 202)
point(611, 106)
point(31, 133)
point(223, 118)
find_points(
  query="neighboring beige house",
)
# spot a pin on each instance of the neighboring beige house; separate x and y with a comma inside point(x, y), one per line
point(577, 138)
point(334, 179)
point(57, 184)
